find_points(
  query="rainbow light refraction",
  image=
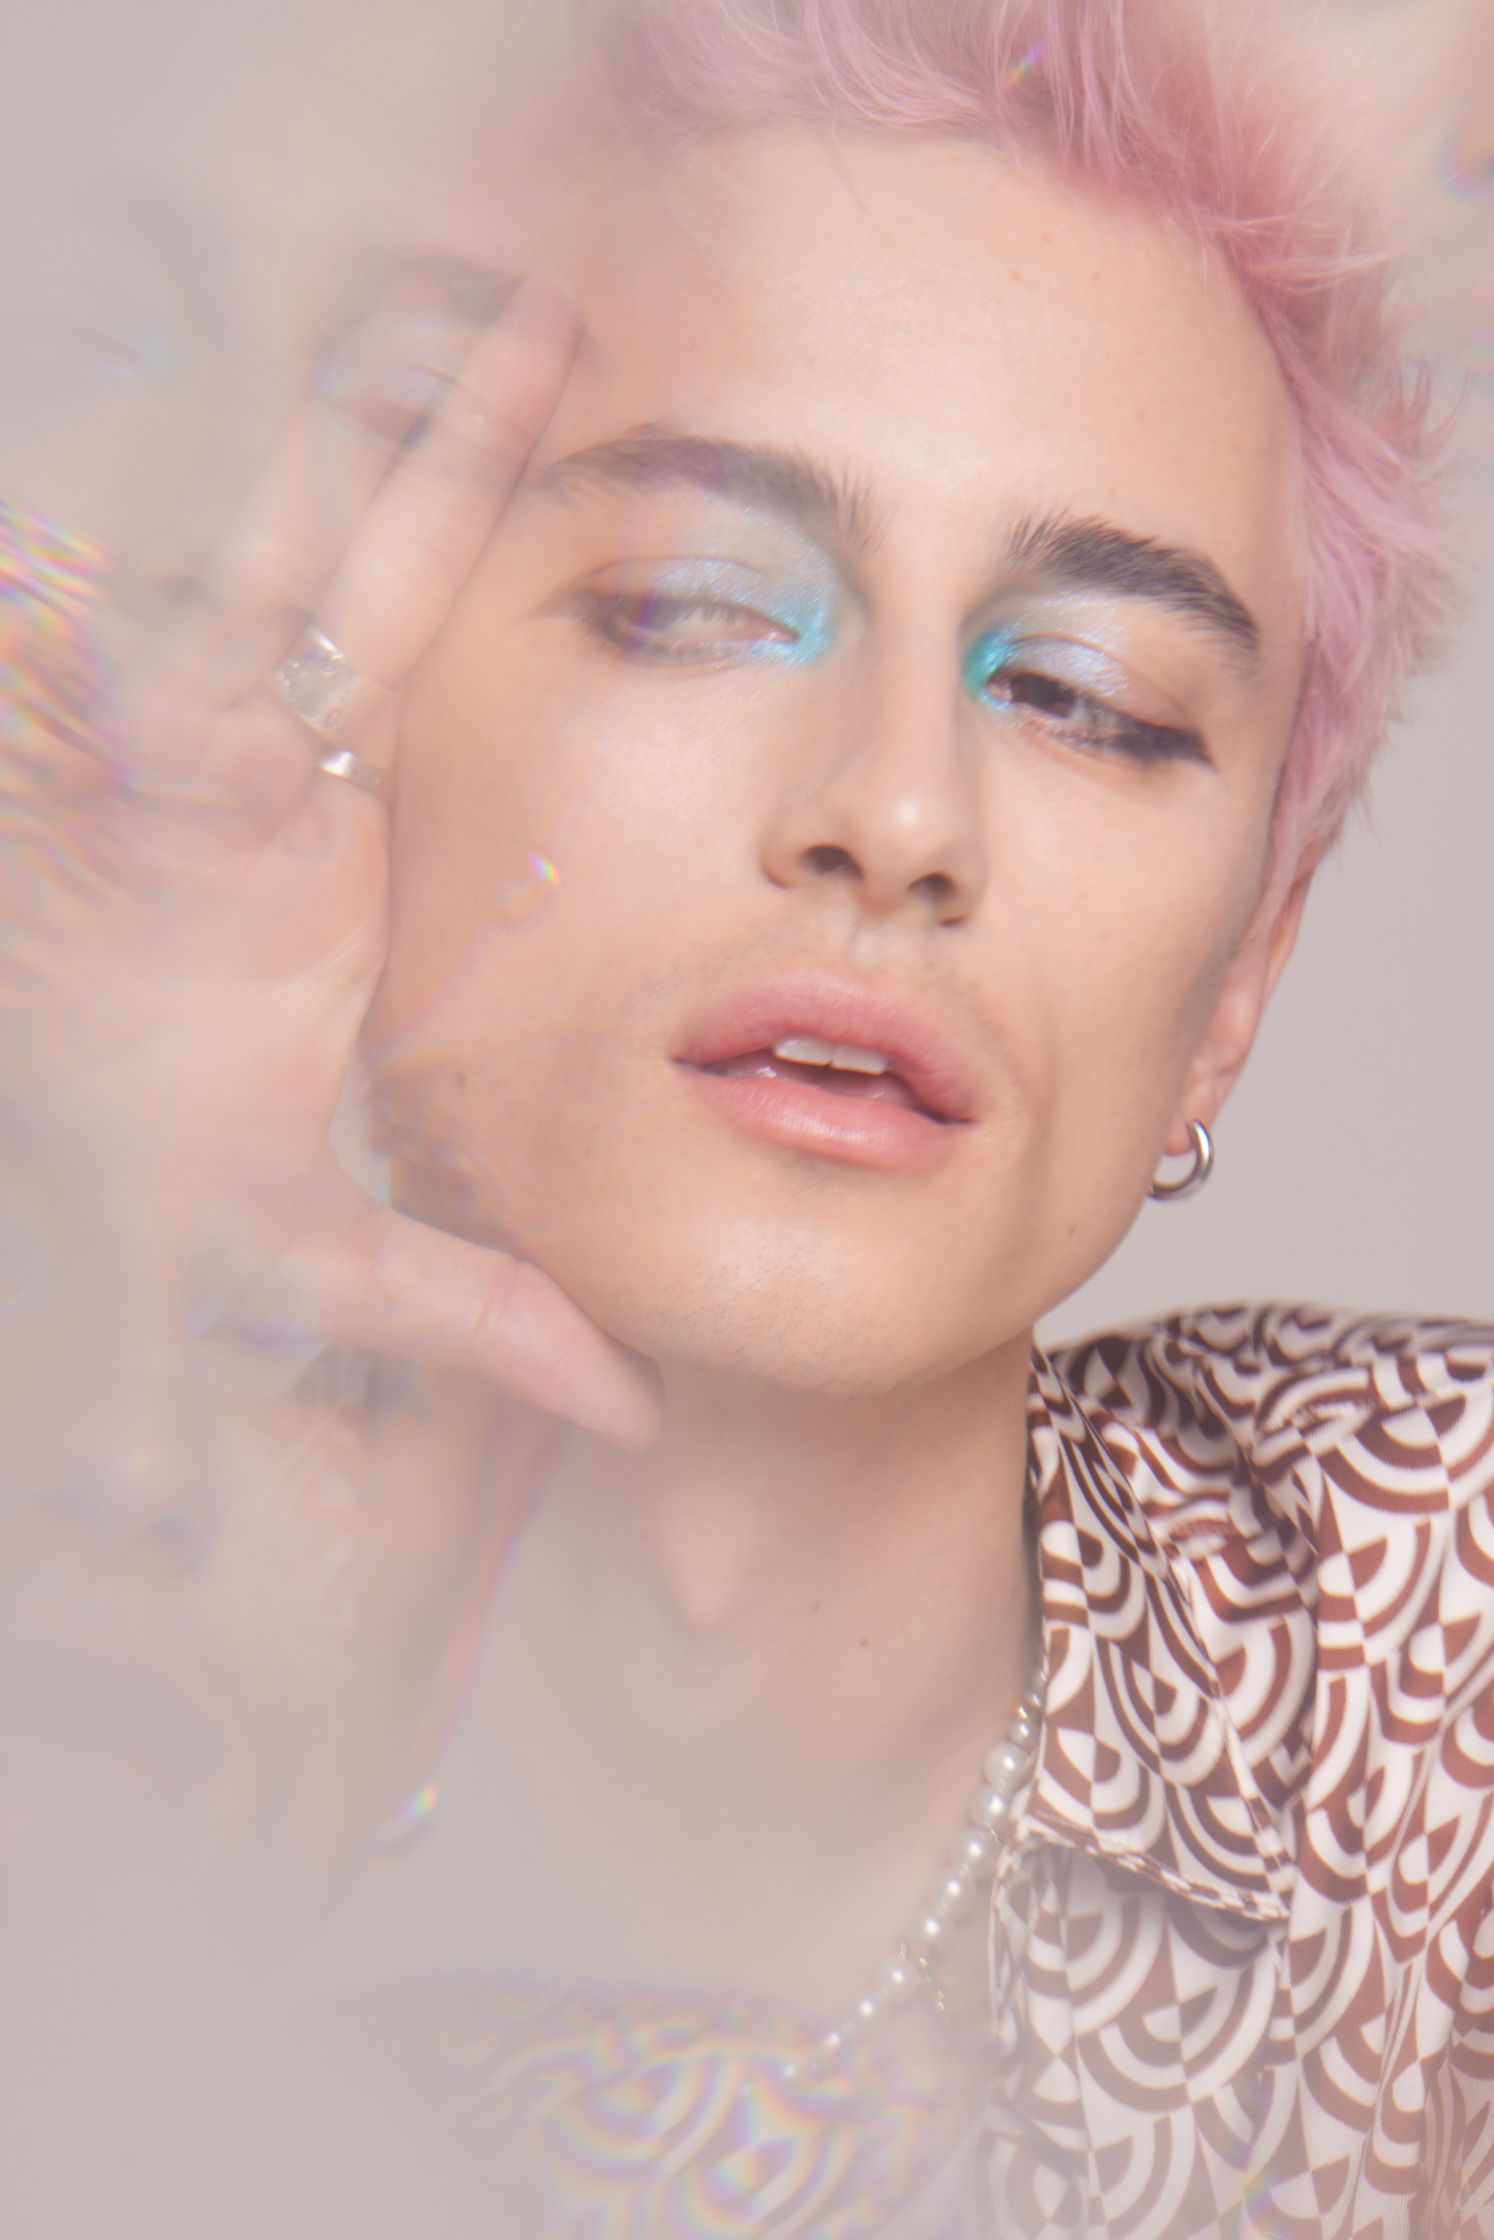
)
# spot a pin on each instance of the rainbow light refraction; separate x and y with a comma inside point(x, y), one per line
point(51, 675)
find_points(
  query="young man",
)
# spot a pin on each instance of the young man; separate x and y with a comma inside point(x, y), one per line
point(848, 827)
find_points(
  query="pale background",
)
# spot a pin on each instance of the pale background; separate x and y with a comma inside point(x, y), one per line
point(1356, 1160)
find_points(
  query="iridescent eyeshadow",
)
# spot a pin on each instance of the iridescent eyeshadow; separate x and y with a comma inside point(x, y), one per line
point(988, 653)
point(804, 610)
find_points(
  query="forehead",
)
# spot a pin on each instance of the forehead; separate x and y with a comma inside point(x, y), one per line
point(957, 333)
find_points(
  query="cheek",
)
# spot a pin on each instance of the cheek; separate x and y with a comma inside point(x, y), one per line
point(564, 824)
point(493, 781)
point(1122, 918)
point(519, 852)
point(1135, 980)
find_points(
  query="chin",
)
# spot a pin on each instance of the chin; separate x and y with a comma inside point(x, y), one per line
point(808, 1298)
point(796, 1317)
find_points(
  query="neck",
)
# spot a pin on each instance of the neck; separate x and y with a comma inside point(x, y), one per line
point(736, 1693)
point(851, 1572)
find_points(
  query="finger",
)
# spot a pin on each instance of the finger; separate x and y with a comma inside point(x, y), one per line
point(187, 749)
point(431, 520)
point(173, 692)
point(373, 1278)
point(194, 740)
point(377, 389)
point(243, 781)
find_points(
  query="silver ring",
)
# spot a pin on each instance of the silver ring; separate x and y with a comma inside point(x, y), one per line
point(1198, 1174)
point(320, 686)
point(354, 770)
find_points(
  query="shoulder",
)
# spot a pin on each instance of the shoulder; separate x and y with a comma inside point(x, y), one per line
point(1409, 1399)
point(1277, 1365)
point(1364, 1442)
point(1283, 1698)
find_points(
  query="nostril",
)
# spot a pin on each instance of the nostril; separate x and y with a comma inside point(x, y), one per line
point(835, 861)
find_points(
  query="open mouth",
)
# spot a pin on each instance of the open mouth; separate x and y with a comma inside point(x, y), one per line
point(832, 1067)
point(837, 1069)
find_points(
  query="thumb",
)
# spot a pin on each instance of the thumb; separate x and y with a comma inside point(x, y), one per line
point(373, 1278)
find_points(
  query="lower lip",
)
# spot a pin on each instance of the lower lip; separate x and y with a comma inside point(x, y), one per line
point(888, 1138)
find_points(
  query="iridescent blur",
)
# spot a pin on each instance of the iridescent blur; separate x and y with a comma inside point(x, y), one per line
point(214, 216)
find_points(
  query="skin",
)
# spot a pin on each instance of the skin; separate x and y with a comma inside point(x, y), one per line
point(174, 296)
point(1083, 928)
point(768, 1655)
point(191, 1505)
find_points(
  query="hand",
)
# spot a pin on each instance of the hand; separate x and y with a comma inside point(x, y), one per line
point(194, 928)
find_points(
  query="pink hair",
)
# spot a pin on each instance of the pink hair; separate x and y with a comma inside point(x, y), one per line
point(1142, 98)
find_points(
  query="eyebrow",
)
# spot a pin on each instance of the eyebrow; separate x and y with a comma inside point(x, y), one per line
point(1092, 555)
point(785, 482)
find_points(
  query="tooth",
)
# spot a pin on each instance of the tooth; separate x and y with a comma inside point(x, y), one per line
point(851, 1060)
point(804, 1050)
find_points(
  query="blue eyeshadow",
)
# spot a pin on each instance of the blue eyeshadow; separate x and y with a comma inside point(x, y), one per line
point(809, 612)
point(986, 654)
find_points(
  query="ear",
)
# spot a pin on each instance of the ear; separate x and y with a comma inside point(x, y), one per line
point(1228, 1039)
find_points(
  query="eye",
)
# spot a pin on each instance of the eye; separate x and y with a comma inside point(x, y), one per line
point(1018, 679)
point(663, 626)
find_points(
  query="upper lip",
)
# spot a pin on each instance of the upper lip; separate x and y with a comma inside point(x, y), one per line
point(836, 1009)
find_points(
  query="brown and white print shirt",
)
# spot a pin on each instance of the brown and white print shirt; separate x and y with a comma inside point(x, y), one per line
point(1242, 1934)
point(1242, 1942)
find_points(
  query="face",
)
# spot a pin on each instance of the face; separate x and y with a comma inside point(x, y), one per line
point(225, 1733)
point(219, 1731)
point(174, 299)
point(892, 651)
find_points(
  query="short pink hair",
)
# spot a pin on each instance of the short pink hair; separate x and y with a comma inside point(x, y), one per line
point(1145, 99)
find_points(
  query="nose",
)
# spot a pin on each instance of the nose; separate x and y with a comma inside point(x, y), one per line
point(132, 1509)
point(128, 1470)
point(892, 807)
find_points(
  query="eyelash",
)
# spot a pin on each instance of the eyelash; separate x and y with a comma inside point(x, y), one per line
point(625, 620)
point(1108, 731)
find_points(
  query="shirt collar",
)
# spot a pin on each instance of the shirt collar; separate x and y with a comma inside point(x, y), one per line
point(1140, 1761)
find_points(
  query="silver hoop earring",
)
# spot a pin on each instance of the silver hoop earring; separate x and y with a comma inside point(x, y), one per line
point(1202, 1168)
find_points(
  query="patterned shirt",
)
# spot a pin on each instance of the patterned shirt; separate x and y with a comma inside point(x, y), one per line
point(1242, 1935)
point(1242, 1945)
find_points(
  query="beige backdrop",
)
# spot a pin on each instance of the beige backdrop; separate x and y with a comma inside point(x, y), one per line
point(1356, 1161)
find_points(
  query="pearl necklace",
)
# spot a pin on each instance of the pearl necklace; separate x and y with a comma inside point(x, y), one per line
point(912, 1971)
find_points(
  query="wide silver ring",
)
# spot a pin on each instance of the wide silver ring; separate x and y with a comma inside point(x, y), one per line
point(354, 770)
point(320, 686)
